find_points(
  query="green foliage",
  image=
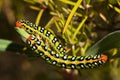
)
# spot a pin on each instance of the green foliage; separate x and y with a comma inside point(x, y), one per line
point(79, 24)
point(110, 41)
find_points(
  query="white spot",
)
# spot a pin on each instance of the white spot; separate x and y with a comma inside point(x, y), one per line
point(82, 66)
point(54, 62)
point(95, 57)
point(48, 33)
point(47, 59)
point(63, 65)
point(65, 57)
point(72, 66)
point(81, 58)
point(34, 47)
point(73, 58)
point(38, 42)
point(60, 45)
point(32, 38)
point(28, 42)
point(54, 40)
point(100, 62)
point(57, 55)
point(96, 63)
point(98, 56)
point(41, 53)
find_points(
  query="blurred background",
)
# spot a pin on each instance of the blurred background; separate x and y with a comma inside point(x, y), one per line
point(103, 18)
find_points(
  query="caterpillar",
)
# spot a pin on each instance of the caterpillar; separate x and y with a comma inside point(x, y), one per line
point(47, 35)
point(63, 60)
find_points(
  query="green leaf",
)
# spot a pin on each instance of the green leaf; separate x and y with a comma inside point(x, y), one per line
point(23, 34)
point(108, 42)
point(7, 45)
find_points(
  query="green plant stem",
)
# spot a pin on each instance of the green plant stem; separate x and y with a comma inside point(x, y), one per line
point(70, 3)
point(79, 27)
point(39, 16)
point(71, 15)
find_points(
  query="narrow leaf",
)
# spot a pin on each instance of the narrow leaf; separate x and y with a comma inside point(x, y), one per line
point(108, 42)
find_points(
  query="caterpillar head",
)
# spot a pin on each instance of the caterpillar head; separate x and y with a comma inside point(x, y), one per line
point(104, 58)
point(21, 23)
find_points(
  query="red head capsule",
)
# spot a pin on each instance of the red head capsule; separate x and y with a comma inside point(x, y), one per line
point(104, 58)
point(19, 24)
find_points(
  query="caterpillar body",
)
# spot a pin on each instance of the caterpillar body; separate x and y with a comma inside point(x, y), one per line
point(55, 57)
point(47, 35)
point(63, 60)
